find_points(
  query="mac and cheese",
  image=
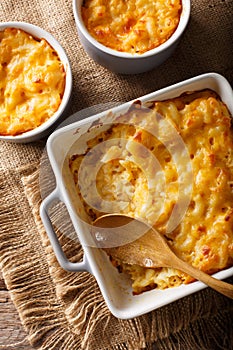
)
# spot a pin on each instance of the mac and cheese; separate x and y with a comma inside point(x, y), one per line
point(141, 175)
point(133, 26)
point(32, 81)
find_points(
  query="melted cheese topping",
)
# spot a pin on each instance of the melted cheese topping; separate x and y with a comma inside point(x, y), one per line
point(130, 181)
point(133, 26)
point(32, 82)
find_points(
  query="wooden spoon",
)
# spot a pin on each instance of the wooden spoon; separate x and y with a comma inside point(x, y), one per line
point(150, 249)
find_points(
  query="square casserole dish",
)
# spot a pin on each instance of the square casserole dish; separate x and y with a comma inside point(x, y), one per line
point(64, 142)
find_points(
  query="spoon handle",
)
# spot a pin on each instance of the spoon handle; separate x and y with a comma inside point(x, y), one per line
point(218, 285)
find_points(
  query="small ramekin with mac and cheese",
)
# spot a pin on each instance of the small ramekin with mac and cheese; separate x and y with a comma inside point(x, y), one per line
point(35, 81)
point(130, 37)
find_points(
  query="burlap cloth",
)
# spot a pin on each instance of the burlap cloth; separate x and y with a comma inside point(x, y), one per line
point(62, 310)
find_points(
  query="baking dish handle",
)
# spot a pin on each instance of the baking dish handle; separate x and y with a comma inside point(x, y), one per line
point(60, 255)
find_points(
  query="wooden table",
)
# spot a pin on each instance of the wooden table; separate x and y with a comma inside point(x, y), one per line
point(11, 329)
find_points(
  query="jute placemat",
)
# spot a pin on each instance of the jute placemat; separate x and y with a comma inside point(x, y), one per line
point(62, 310)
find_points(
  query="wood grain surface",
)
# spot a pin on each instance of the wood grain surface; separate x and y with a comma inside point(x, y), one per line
point(11, 329)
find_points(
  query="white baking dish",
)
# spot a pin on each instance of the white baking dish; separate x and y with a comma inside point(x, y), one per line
point(115, 287)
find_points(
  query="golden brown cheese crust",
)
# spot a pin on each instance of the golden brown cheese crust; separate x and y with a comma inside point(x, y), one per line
point(133, 26)
point(204, 237)
point(32, 81)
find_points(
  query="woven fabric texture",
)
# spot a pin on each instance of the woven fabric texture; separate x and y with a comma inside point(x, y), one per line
point(62, 310)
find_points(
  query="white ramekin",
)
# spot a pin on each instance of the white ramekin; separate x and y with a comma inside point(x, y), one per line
point(126, 63)
point(44, 129)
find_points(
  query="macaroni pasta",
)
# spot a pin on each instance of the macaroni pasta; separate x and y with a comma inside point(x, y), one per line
point(133, 26)
point(32, 81)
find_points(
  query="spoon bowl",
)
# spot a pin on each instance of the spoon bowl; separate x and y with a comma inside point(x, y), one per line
point(148, 248)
